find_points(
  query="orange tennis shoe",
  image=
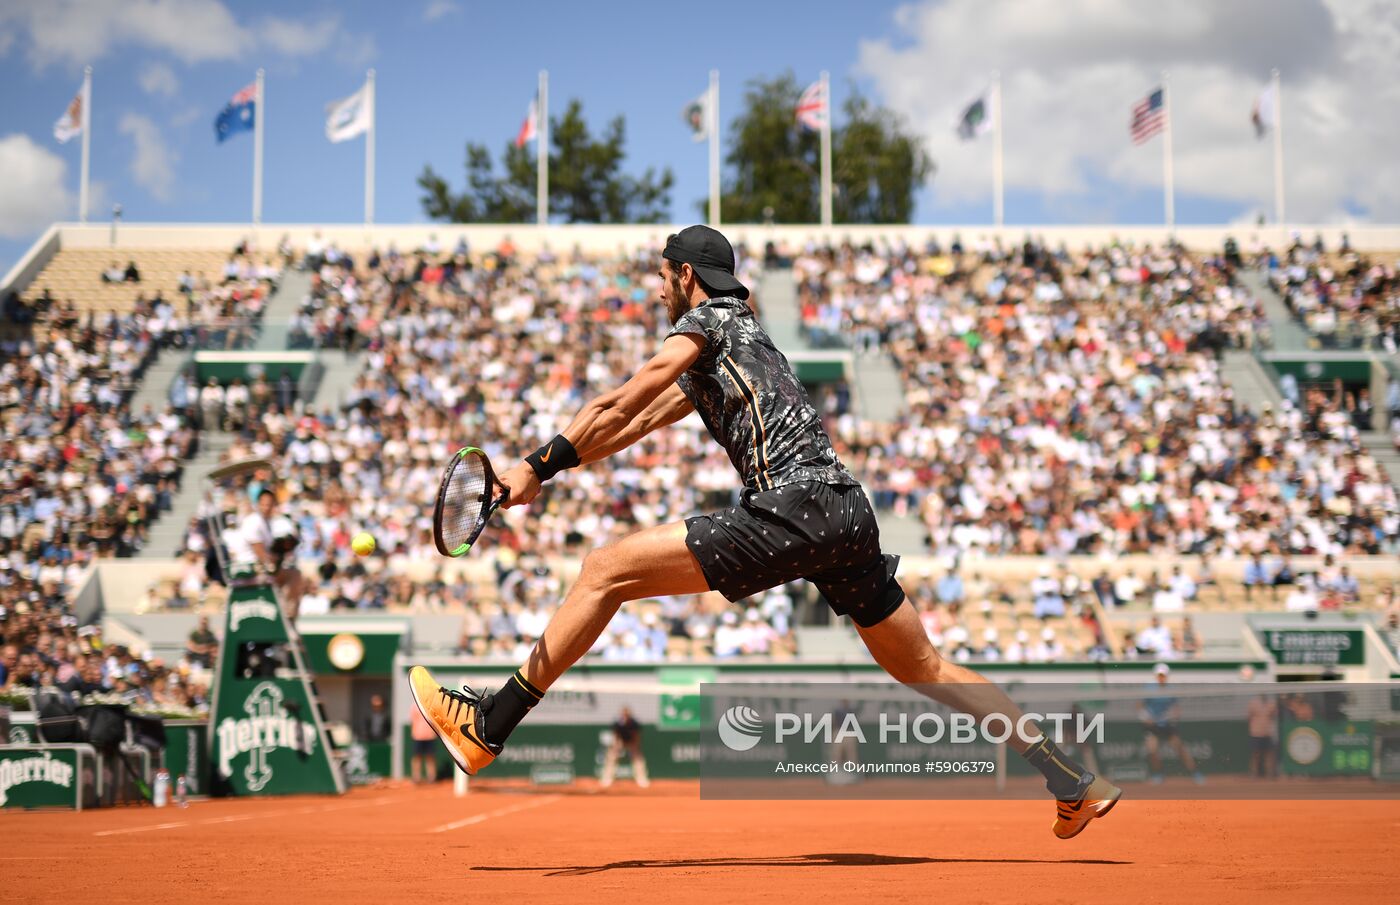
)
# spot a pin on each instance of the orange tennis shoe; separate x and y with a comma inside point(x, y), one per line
point(458, 719)
point(1097, 797)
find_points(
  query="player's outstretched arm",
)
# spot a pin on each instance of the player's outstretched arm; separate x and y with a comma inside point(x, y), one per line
point(603, 424)
point(668, 408)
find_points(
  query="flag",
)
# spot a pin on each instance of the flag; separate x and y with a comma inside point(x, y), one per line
point(813, 112)
point(237, 115)
point(975, 120)
point(70, 124)
point(1149, 117)
point(697, 116)
point(350, 116)
point(1263, 114)
point(530, 129)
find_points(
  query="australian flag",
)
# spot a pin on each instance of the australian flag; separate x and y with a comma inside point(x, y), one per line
point(237, 116)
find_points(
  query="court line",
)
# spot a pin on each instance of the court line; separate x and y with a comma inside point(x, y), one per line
point(499, 812)
point(230, 818)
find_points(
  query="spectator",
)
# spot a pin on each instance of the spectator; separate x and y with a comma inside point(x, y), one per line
point(1190, 640)
point(950, 588)
point(378, 725)
point(1257, 574)
point(203, 645)
point(131, 274)
point(1045, 594)
point(1156, 641)
point(1182, 585)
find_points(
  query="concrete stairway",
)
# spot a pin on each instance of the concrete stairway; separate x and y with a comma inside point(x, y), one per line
point(1378, 444)
point(154, 390)
point(167, 533)
point(337, 378)
point(782, 316)
point(1288, 334)
point(1243, 373)
point(282, 306)
point(877, 387)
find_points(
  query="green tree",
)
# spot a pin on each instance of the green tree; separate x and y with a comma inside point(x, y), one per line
point(586, 181)
point(877, 164)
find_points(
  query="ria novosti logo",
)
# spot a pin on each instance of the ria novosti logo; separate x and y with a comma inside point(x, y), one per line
point(740, 728)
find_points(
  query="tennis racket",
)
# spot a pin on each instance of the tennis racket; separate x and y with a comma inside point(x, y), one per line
point(465, 501)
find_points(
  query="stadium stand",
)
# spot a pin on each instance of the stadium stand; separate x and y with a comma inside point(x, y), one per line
point(1052, 535)
point(82, 475)
point(1345, 300)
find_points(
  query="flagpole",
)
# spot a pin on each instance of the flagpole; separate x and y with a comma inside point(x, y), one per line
point(542, 151)
point(87, 138)
point(998, 178)
point(826, 150)
point(258, 150)
point(369, 150)
point(1167, 187)
point(713, 111)
point(1278, 149)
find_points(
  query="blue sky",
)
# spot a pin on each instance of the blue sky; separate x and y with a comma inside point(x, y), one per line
point(452, 71)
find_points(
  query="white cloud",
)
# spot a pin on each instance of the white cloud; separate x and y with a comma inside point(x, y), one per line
point(36, 187)
point(153, 160)
point(298, 39)
point(437, 9)
point(1072, 70)
point(158, 78)
point(78, 32)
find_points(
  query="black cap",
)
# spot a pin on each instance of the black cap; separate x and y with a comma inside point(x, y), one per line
point(709, 253)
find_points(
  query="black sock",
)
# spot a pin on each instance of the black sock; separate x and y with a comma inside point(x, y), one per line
point(509, 706)
point(1062, 774)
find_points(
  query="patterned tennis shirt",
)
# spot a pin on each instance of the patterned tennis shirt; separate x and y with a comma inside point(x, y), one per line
point(752, 402)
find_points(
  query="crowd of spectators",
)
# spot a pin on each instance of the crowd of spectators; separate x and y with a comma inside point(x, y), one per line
point(1345, 300)
point(1071, 403)
point(83, 476)
point(496, 346)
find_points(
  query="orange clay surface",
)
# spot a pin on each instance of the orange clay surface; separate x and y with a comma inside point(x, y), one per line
point(506, 843)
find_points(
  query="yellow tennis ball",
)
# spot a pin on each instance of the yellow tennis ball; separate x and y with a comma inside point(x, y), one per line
point(362, 543)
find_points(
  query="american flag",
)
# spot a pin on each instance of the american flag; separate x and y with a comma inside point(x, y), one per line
point(1149, 117)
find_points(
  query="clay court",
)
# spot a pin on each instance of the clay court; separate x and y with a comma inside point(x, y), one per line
point(581, 845)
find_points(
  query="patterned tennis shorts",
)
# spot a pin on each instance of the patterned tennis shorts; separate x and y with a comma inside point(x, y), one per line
point(821, 532)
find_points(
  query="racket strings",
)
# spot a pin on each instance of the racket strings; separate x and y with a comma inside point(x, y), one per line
point(464, 500)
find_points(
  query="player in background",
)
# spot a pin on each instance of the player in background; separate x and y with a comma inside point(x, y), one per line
point(801, 515)
point(626, 736)
point(1161, 716)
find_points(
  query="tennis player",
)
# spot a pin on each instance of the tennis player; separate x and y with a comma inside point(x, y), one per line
point(801, 515)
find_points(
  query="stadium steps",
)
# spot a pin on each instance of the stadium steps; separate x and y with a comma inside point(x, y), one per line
point(154, 390)
point(782, 316)
point(168, 533)
point(282, 306)
point(878, 390)
point(1379, 445)
point(1241, 371)
point(337, 378)
point(1288, 335)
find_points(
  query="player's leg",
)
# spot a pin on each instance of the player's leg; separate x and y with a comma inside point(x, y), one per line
point(1154, 756)
point(610, 763)
point(898, 643)
point(1187, 760)
point(639, 765)
point(870, 595)
point(654, 562)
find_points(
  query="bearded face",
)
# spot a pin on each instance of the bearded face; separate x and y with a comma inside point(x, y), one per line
point(673, 292)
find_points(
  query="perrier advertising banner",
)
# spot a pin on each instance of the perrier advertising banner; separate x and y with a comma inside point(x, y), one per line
point(266, 736)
